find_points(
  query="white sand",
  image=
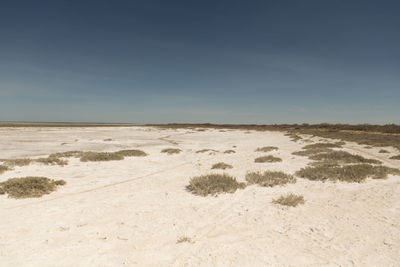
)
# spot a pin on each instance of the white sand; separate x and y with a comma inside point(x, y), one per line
point(132, 212)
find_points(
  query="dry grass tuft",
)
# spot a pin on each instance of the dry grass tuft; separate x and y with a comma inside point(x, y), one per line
point(229, 151)
point(4, 168)
point(17, 162)
point(67, 154)
point(325, 145)
point(131, 153)
point(310, 152)
point(395, 157)
point(206, 150)
point(170, 151)
point(52, 161)
point(342, 157)
point(267, 159)
point(28, 187)
point(383, 151)
point(266, 149)
point(290, 200)
point(269, 178)
point(213, 184)
point(293, 137)
point(221, 165)
point(100, 156)
point(184, 239)
point(107, 140)
point(350, 173)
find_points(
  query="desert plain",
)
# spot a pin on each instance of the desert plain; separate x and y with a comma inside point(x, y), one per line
point(138, 211)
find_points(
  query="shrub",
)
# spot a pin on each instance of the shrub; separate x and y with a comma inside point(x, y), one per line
point(107, 140)
point(52, 161)
point(325, 145)
point(395, 157)
point(310, 152)
point(343, 157)
point(67, 154)
point(100, 156)
point(383, 151)
point(230, 151)
point(17, 162)
point(206, 150)
point(131, 153)
point(269, 178)
point(170, 151)
point(29, 186)
point(266, 149)
point(183, 239)
point(214, 184)
point(350, 173)
point(4, 168)
point(267, 159)
point(221, 165)
point(290, 200)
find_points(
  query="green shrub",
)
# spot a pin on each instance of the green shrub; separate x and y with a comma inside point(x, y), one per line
point(28, 187)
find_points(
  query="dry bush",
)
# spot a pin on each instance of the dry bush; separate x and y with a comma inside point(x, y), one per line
point(170, 151)
point(383, 151)
point(214, 184)
point(100, 156)
point(206, 150)
point(270, 178)
point(266, 149)
point(52, 161)
point(183, 239)
point(267, 159)
point(395, 157)
point(4, 168)
point(221, 165)
point(107, 140)
point(67, 154)
point(310, 152)
point(229, 151)
point(324, 145)
point(343, 157)
point(290, 200)
point(350, 173)
point(17, 162)
point(131, 153)
point(293, 137)
point(29, 186)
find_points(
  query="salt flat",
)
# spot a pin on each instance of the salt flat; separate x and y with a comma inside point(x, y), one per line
point(132, 211)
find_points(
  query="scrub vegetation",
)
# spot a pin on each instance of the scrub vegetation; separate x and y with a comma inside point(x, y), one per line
point(266, 149)
point(270, 178)
point(171, 151)
point(267, 159)
point(291, 200)
point(214, 184)
point(221, 165)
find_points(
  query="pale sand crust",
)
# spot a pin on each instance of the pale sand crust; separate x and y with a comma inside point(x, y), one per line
point(132, 212)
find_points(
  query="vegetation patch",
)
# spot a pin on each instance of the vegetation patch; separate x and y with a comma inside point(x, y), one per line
point(343, 157)
point(67, 154)
point(107, 140)
point(290, 200)
point(170, 151)
point(229, 151)
point(383, 151)
point(184, 239)
point(267, 159)
point(270, 178)
point(4, 168)
point(28, 187)
point(206, 150)
point(221, 165)
point(325, 145)
point(350, 173)
point(310, 152)
point(293, 137)
point(395, 157)
point(131, 153)
point(52, 161)
point(266, 149)
point(100, 156)
point(213, 184)
point(17, 162)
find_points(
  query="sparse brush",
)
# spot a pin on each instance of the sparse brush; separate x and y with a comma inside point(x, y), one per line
point(293, 137)
point(107, 140)
point(324, 145)
point(206, 150)
point(214, 184)
point(221, 165)
point(4, 168)
point(290, 200)
point(310, 152)
point(67, 154)
point(266, 149)
point(267, 159)
point(29, 186)
point(184, 239)
point(350, 173)
point(395, 157)
point(131, 153)
point(383, 151)
point(17, 162)
point(270, 178)
point(52, 161)
point(229, 151)
point(100, 156)
point(170, 151)
point(343, 157)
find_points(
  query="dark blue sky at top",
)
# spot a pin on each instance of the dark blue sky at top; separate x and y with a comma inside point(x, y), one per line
point(200, 61)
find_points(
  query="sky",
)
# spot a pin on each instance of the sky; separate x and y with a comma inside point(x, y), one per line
point(263, 62)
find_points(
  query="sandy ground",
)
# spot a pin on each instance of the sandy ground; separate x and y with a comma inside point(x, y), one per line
point(132, 212)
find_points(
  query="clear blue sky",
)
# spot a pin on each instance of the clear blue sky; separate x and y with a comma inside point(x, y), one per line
point(200, 61)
